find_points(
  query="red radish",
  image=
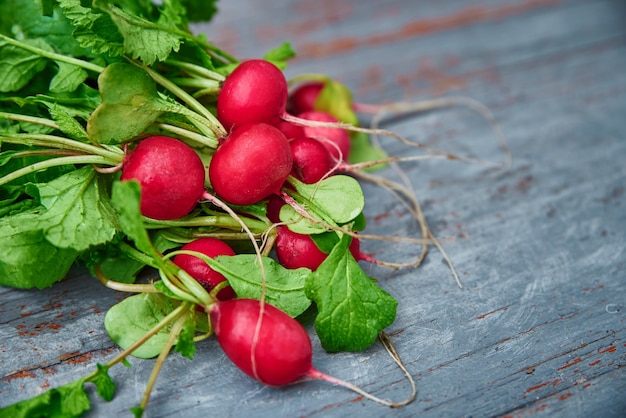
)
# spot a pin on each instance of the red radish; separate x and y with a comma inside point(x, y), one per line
point(251, 164)
point(295, 250)
point(282, 353)
point(290, 130)
point(303, 98)
point(355, 250)
point(336, 140)
point(256, 91)
point(274, 204)
point(171, 176)
point(270, 346)
point(311, 159)
point(200, 270)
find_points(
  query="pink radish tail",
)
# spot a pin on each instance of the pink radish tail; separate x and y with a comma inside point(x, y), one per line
point(315, 374)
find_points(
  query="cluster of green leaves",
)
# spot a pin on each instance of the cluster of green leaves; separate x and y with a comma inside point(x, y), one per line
point(78, 81)
point(52, 56)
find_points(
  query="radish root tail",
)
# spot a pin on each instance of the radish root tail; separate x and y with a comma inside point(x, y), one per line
point(386, 341)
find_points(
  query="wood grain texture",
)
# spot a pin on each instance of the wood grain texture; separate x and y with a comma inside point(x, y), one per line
point(538, 328)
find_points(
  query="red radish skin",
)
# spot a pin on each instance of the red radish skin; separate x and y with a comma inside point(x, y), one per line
point(282, 352)
point(355, 250)
point(336, 140)
point(289, 129)
point(311, 160)
point(256, 91)
point(171, 176)
point(295, 250)
point(251, 164)
point(271, 346)
point(200, 270)
point(272, 211)
point(303, 98)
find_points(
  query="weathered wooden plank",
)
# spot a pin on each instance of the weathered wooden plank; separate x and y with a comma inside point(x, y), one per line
point(538, 328)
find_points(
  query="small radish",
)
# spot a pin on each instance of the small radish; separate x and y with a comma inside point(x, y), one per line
point(200, 270)
point(311, 159)
point(303, 98)
point(295, 250)
point(270, 346)
point(251, 164)
point(290, 130)
point(171, 176)
point(256, 91)
point(282, 353)
point(336, 140)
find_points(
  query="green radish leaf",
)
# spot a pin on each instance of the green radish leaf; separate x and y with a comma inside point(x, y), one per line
point(105, 386)
point(125, 199)
point(338, 198)
point(37, 177)
point(279, 55)
point(162, 287)
point(358, 224)
point(44, 243)
point(28, 259)
point(137, 411)
point(129, 320)
point(185, 345)
point(69, 400)
point(326, 241)
point(68, 78)
point(352, 309)
point(336, 99)
point(130, 104)
point(6, 156)
point(64, 118)
point(79, 104)
point(18, 66)
point(14, 200)
point(120, 267)
point(361, 150)
point(284, 288)
point(78, 213)
point(147, 40)
point(202, 322)
point(299, 224)
point(93, 29)
point(200, 10)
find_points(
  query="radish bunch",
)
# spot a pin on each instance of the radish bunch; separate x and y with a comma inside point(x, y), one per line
point(240, 193)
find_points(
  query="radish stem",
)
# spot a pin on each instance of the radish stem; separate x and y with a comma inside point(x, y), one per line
point(158, 365)
point(123, 287)
point(112, 154)
point(193, 68)
point(214, 124)
point(53, 162)
point(53, 56)
point(30, 119)
point(215, 220)
point(186, 133)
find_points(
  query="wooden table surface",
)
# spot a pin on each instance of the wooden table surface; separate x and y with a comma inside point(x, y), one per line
point(538, 328)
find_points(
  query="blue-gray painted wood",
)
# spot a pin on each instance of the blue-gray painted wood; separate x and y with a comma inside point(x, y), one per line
point(538, 328)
